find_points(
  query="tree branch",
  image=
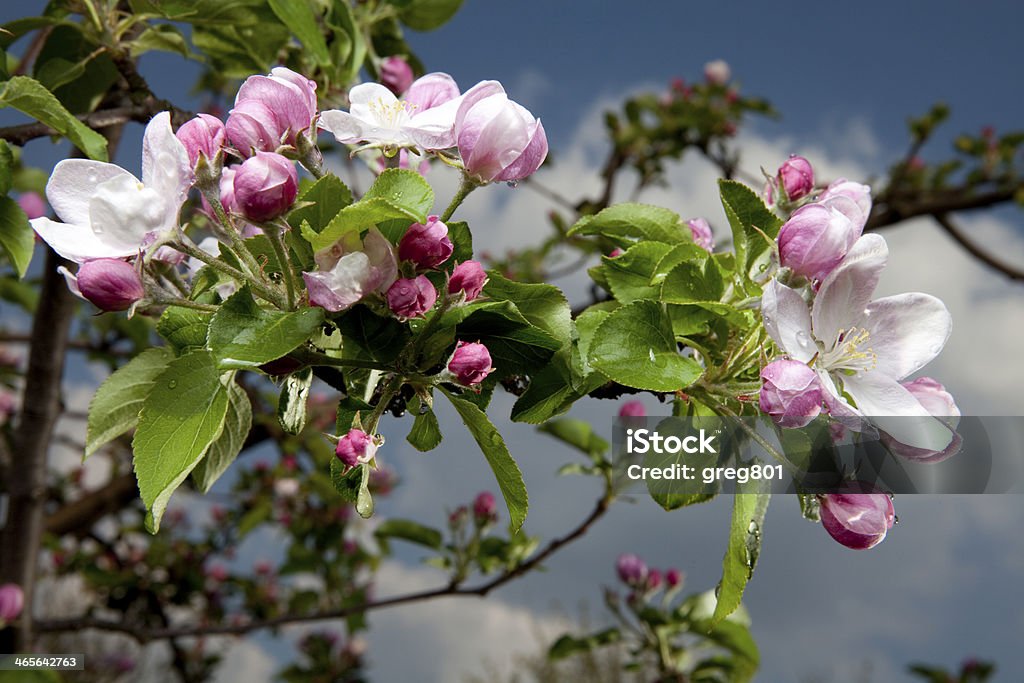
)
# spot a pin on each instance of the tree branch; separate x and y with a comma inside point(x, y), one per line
point(946, 223)
point(103, 118)
point(144, 636)
point(891, 210)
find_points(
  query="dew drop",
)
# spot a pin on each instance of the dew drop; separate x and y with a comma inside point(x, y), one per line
point(753, 529)
point(650, 352)
point(172, 384)
point(513, 184)
point(895, 520)
point(803, 339)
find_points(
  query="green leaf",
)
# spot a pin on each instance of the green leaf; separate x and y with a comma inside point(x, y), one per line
point(182, 415)
point(506, 471)
point(630, 275)
point(745, 212)
point(397, 193)
point(411, 531)
point(29, 96)
point(578, 434)
point(163, 37)
point(635, 346)
point(629, 220)
point(567, 645)
point(327, 196)
point(223, 451)
point(244, 335)
point(349, 43)
point(368, 336)
point(346, 482)
point(115, 406)
point(425, 434)
point(427, 15)
point(299, 17)
point(364, 502)
point(184, 328)
point(16, 236)
point(291, 407)
point(750, 503)
point(6, 167)
point(543, 305)
point(690, 282)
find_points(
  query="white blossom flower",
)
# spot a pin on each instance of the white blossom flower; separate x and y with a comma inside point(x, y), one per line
point(106, 211)
point(861, 349)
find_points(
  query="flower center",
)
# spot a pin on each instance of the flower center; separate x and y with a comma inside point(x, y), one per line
point(390, 114)
point(850, 352)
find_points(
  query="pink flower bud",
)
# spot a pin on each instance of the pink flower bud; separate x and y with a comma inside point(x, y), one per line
point(939, 403)
point(468, 277)
point(631, 570)
point(717, 72)
point(458, 516)
point(217, 572)
point(265, 186)
point(426, 245)
point(485, 508)
point(32, 204)
point(471, 363)
point(396, 74)
point(498, 139)
point(411, 297)
point(859, 194)
point(673, 578)
point(796, 177)
point(616, 253)
point(204, 135)
point(111, 284)
point(271, 111)
point(817, 236)
point(632, 409)
point(12, 601)
point(356, 448)
point(791, 393)
point(857, 520)
point(653, 580)
point(702, 235)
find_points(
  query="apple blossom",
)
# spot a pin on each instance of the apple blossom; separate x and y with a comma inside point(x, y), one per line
point(796, 177)
point(265, 186)
point(356, 448)
point(471, 363)
point(380, 120)
point(857, 520)
point(940, 404)
point(631, 569)
point(271, 111)
point(202, 135)
point(860, 348)
point(12, 601)
point(485, 508)
point(106, 211)
point(702, 235)
point(468, 277)
point(411, 297)
point(32, 204)
point(859, 194)
point(110, 284)
point(498, 139)
point(350, 270)
point(790, 393)
point(632, 409)
point(426, 244)
point(817, 236)
point(717, 72)
point(396, 74)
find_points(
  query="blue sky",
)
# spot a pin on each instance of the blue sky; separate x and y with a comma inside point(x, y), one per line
point(945, 585)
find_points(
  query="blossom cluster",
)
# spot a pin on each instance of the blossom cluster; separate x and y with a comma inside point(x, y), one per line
point(843, 354)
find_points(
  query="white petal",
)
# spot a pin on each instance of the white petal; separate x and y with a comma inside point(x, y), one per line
point(841, 410)
point(72, 281)
point(906, 332)
point(364, 94)
point(434, 128)
point(845, 293)
point(76, 242)
point(383, 264)
point(889, 405)
point(473, 95)
point(73, 183)
point(787, 321)
point(123, 213)
point(165, 166)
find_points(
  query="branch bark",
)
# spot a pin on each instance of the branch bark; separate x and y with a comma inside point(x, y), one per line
point(450, 590)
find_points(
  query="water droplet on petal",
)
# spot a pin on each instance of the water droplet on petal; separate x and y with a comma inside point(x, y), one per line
point(895, 519)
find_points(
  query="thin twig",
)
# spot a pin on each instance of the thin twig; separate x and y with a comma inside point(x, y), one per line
point(946, 223)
